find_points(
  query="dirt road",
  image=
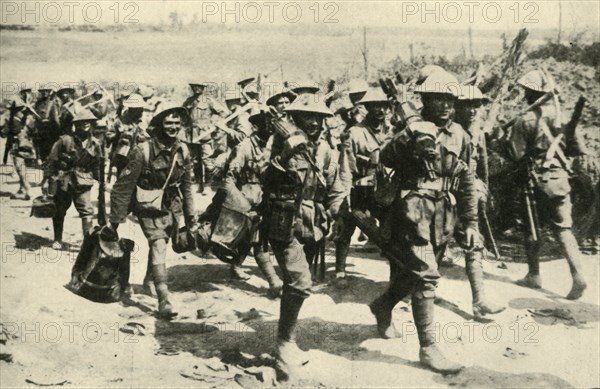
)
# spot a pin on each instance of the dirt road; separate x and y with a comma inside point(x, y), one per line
point(56, 337)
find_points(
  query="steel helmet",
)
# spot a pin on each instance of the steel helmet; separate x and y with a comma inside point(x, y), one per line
point(374, 95)
point(165, 108)
point(426, 71)
point(440, 82)
point(85, 115)
point(537, 80)
point(357, 85)
point(471, 92)
point(305, 87)
point(309, 103)
point(135, 101)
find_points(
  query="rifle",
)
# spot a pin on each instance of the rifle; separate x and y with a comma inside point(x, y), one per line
point(530, 203)
point(573, 145)
point(317, 265)
point(405, 112)
point(102, 186)
point(488, 230)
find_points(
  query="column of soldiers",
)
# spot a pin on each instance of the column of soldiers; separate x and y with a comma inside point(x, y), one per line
point(422, 181)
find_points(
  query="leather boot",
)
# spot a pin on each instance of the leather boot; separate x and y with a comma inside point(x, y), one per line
point(429, 355)
point(266, 267)
point(148, 284)
point(289, 357)
point(571, 252)
point(165, 309)
point(57, 224)
point(474, 268)
point(382, 308)
point(341, 254)
point(86, 225)
point(532, 279)
point(237, 273)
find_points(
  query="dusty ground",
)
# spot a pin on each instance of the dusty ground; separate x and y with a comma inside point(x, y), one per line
point(56, 337)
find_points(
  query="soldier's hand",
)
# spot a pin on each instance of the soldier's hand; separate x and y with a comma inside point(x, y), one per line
point(45, 186)
point(472, 238)
point(291, 146)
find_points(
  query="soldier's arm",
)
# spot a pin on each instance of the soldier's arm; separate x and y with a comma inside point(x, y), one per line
point(189, 208)
point(235, 164)
point(123, 190)
point(395, 151)
point(50, 168)
point(466, 194)
point(218, 108)
point(336, 191)
point(482, 163)
point(518, 141)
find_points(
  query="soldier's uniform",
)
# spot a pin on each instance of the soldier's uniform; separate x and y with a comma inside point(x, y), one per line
point(469, 100)
point(202, 108)
point(71, 170)
point(431, 164)
point(128, 130)
point(18, 131)
point(149, 166)
point(539, 145)
point(361, 147)
point(48, 125)
point(301, 198)
point(245, 169)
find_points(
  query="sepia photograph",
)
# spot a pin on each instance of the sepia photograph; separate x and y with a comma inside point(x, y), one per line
point(300, 194)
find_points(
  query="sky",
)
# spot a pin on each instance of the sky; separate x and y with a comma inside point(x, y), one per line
point(480, 15)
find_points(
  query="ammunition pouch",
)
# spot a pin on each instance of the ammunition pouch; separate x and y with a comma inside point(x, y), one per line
point(82, 178)
point(553, 182)
point(281, 218)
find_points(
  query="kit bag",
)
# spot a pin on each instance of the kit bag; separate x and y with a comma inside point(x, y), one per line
point(101, 270)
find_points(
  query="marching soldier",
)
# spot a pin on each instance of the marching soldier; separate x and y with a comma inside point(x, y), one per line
point(161, 164)
point(466, 114)
point(356, 91)
point(70, 173)
point(201, 108)
point(244, 169)
point(130, 129)
point(431, 161)
point(25, 100)
point(301, 182)
point(48, 126)
point(539, 143)
point(280, 100)
point(362, 147)
point(18, 131)
point(66, 96)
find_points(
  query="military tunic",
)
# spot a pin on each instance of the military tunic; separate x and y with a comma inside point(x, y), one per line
point(295, 221)
point(529, 142)
point(72, 169)
point(425, 209)
point(177, 199)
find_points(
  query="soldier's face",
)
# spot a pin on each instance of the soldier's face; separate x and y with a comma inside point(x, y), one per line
point(82, 129)
point(197, 89)
point(377, 110)
point(467, 111)
point(44, 94)
point(282, 103)
point(440, 105)
point(171, 125)
point(309, 122)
